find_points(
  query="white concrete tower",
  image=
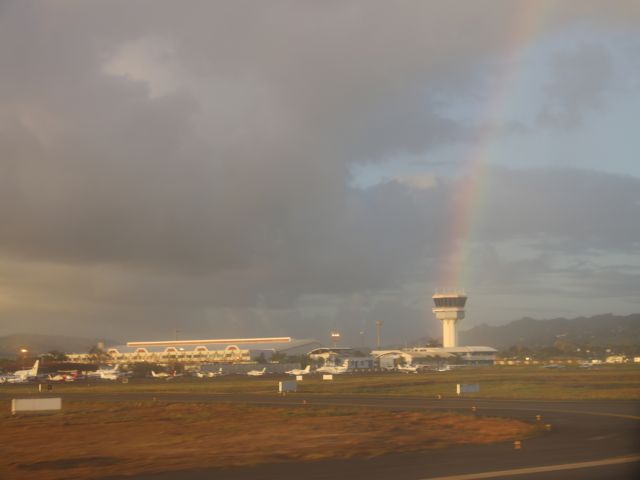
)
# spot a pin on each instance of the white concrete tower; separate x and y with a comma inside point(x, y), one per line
point(449, 308)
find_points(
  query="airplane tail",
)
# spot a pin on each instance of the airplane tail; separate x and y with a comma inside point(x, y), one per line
point(34, 369)
point(154, 374)
point(307, 368)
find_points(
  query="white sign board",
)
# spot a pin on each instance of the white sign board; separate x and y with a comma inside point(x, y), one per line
point(467, 388)
point(299, 378)
point(288, 386)
point(327, 377)
point(19, 405)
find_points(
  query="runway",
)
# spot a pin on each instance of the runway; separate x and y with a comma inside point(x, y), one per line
point(586, 440)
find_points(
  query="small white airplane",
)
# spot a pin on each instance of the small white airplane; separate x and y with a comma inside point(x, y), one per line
point(201, 374)
point(408, 368)
point(165, 375)
point(21, 376)
point(299, 371)
point(112, 376)
point(64, 377)
point(257, 373)
point(107, 373)
point(445, 368)
point(333, 370)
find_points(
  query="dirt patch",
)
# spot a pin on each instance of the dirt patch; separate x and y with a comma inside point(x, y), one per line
point(91, 440)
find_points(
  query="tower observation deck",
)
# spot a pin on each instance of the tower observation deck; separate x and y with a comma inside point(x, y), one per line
point(449, 309)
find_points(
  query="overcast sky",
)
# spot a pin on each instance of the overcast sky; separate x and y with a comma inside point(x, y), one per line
point(238, 168)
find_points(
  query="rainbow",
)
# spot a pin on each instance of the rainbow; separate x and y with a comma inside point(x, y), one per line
point(468, 196)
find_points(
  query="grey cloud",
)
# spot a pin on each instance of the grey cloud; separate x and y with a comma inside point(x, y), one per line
point(230, 189)
point(389, 238)
point(576, 210)
point(579, 87)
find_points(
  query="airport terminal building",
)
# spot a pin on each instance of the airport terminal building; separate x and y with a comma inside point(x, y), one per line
point(225, 350)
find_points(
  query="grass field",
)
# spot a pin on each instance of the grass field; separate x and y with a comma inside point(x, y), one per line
point(608, 382)
point(90, 440)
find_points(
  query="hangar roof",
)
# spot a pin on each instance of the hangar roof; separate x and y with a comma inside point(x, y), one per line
point(448, 351)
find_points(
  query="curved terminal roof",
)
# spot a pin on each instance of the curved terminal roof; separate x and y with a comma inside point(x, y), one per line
point(217, 345)
point(210, 341)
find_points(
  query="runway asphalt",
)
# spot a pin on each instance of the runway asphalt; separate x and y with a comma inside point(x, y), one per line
point(587, 440)
point(581, 432)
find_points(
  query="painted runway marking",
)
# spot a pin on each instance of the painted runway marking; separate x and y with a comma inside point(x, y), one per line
point(548, 468)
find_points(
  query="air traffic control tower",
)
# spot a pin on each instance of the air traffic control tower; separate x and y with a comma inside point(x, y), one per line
point(449, 308)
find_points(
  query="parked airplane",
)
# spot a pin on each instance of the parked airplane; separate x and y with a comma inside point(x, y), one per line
point(64, 377)
point(201, 374)
point(107, 373)
point(333, 369)
point(256, 373)
point(165, 375)
point(299, 371)
point(408, 368)
point(112, 376)
point(21, 376)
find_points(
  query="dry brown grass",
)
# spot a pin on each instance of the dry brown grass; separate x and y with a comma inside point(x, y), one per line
point(91, 440)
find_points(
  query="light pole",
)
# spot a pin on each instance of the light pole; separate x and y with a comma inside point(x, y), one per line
point(378, 328)
point(335, 337)
point(23, 352)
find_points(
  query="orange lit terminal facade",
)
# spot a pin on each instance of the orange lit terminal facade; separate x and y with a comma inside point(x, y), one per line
point(224, 350)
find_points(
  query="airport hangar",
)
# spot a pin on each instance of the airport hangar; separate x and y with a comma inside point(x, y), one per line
point(418, 356)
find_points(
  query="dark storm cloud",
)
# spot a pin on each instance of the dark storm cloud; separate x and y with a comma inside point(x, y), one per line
point(160, 159)
point(97, 170)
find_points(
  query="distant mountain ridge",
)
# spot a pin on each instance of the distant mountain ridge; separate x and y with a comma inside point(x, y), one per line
point(10, 345)
point(600, 330)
